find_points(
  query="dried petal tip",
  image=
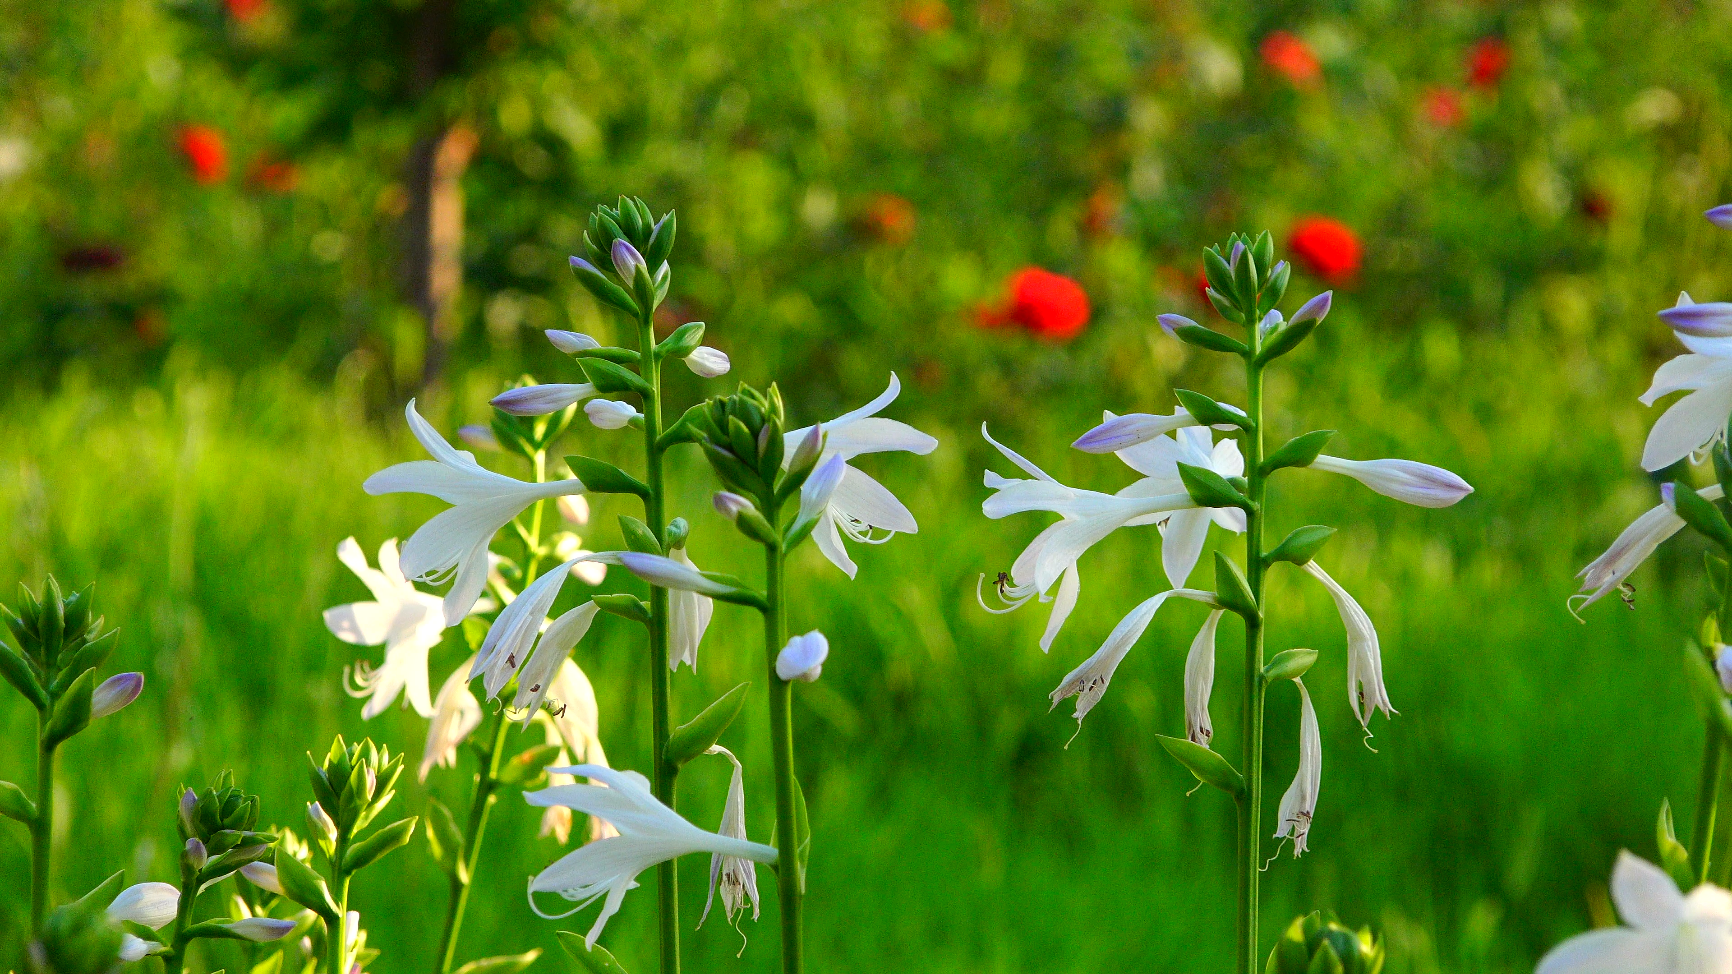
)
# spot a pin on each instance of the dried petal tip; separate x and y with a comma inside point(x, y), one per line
point(1171, 323)
point(626, 259)
point(1721, 216)
point(1316, 308)
point(571, 342)
point(803, 657)
point(708, 362)
point(115, 693)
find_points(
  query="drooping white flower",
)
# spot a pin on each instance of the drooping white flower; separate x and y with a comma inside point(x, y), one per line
point(1088, 682)
point(574, 726)
point(1632, 547)
point(860, 505)
point(513, 634)
point(610, 414)
point(152, 904)
point(688, 619)
point(803, 658)
point(408, 621)
point(454, 543)
point(1183, 532)
point(1299, 804)
point(736, 877)
point(1365, 690)
point(1408, 481)
point(708, 362)
point(649, 833)
point(1667, 933)
point(456, 714)
point(552, 652)
point(115, 694)
point(1200, 681)
point(1698, 419)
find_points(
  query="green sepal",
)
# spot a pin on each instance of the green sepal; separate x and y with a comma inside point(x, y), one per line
point(91, 655)
point(1274, 289)
point(1224, 305)
point(446, 840)
point(699, 734)
point(1231, 588)
point(509, 964)
point(611, 377)
point(638, 536)
point(675, 535)
point(610, 353)
point(14, 804)
point(661, 242)
point(1301, 544)
point(799, 531)
point(1722, 466)
point(601, 477)
point(527, 767)
point(586, 959)
point(734, 473)
point(752, 524)
point(77, 610)
point(742, 441)
point(605, 290)
point(802, 835)
point(624, 605)
point(1717, 567)
point(51, 623)
point(1674, 858)
point(304, 886)
point(72, 713)
point(1286, 339)
point(1325, 961)
point(374, 847)
point(1210, 339)
point(1263, 248)
point(1289, 955)
point(1706, 687)
point(1701, 514)
point(1207, 766)
point(684, 341)
point(646, 287)
point(1209, 489)
point(1290, 664)
point(18, 673)
point(1208, 412)
point(692, 426)
point(1245, 282)
point(1300, 451)
point(103, 893)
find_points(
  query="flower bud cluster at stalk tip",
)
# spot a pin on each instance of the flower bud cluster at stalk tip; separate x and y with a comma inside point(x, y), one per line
point(59, 645)
point(354, 783)
point(219, 829)
point(1318, 942)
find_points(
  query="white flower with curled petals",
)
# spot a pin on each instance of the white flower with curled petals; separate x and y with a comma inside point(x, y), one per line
point(1365, 690)
point(454, 543)
point(572, 723)
point(456, 714)
point(1631, 548)
point(649, 833)
point(1183, 532)
point(540, 400)
point(552, 652)
point(408, 621)
point(1667, 932)
point(1697, 420)
point(1016, 587)
point(1088, 682)
point(1408, 481)
point(860, 506)
point(1299, 804)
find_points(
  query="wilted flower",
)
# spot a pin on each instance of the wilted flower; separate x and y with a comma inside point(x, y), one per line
point(1326, 248)
point(1200, 681)
point(803, 658)
point(456, 714)
point(735, 876)
point(610, 414)
point(1088, 682)
point(1668, 932)
point(1365, 690)
point(1408, 481)
point(1299, 804)
point(408, 621)
point(1291, 58)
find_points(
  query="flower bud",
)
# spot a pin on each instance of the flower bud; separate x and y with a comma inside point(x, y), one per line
point(609, 414)
point(730, 505)
point(188, 811)
point(115, 693)
point(574, 508)
point(803, 657)
point(1171, 324)
point(1721, 216)
point(479, 438)
point(627, 261)
point(708, 362)
point(1316, 308)
point(1271, 321)
point(264, 876)
point(571, 342)
point(79, 938)
point(1408, 481)
point(320, 822)
point(1723, 666)
point(261, 929)
point(810, 446)
point(195, 854)
point(542, 399)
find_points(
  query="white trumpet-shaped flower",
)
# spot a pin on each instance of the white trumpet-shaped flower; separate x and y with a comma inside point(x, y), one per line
point(688, 619)
point(736, 877)
point(1299, 804)
point(1200, 681)
point(1408, 481)
point(513, 634)
point(1630, 549)
point(543, 399)
point(456, 714)
point(1667, 932)
point(649, 833)
point(1017, 587)
point(1183, 532)
point(1365, 690)
point(454, 543)
point(1088, 682)
point(408, 621)
point(860, 506)
point(1698, 419)
point(552, 652)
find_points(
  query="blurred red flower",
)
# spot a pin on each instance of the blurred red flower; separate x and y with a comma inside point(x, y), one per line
point(273, 175)
point(1291, 58)
point(889, 218)
point(927, 16)
point(1443, 107)
point(1050, 306)
point(1487, 62)
point(1327, 248)
point(245, 10)
point(205, 153)
point(1597, 206)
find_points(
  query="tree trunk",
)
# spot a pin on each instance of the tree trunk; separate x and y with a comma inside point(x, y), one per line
point(433, 222)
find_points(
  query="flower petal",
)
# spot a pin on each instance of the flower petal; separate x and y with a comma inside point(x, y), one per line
point(1687, 426)
point(1646, 896)
point(1182, 543)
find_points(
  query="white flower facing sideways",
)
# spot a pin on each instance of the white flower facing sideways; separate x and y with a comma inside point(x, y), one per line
point(1299, 804)
point(649, 833)
point(1088, 682)
point(1667, 933)
point(1705, 371)
point(539, 400)
point(151, 904)
point(736, 877)
point(688, 619)
point(1632, 547)
point(1183, 532)
point(454, 543)
point(860, 506)
point(456, 714)
point(1200, 681)
point(1366, 693)
point(408, 621)
point(513, 635)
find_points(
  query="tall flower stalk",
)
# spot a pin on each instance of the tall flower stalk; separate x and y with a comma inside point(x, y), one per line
point(1187, 483)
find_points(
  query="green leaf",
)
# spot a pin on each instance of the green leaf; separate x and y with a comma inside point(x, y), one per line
point(1285, 340)
point(1301, 544)
point(661, 242)
point(605, 290)
point(1217, 271)
point(733, 472)
point(1209, 412)
point(1300, 451)
point(1289, 664)
point(1274, 289)
point(611, 377)
point(72, 713)
point(638, 536)
point(624, 605)
point(586, 959)
point(1707, 689)
point(684, 341)
point(376, 846)
point(601, 477)
point(1208, 767)
point(697, 735)
point(446, 840)
point(1210, 489)
point(1210, 339)
point(304, 886)
point(1701, 514)
point(14, 804)
point(802, 835)
point(103, 893)
point(1231, 588)
point(509, 964)
point(528, 766)
point(1674, 858)
point(18, 673)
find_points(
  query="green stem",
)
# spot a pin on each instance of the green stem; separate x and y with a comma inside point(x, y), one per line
point(655, 510)
point(337, 941)
point(42, 828)
point(175, 959)
point(788, 890)
point(1251, 745)
point(1708, 798)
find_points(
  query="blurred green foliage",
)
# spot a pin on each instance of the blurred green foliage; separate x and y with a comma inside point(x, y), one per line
point(202, 372)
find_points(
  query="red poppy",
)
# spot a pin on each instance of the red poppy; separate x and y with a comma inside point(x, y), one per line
point(1050, 306)
point(1291, 58)
point(1487, 62)
point(245, 10)
point(1443, 107)
point(205, 153)
point(273, 175)
point(1327, 248)
point(889, 218)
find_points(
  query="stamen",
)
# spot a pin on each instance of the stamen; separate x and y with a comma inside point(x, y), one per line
point(363, 677)
point(1013, 598)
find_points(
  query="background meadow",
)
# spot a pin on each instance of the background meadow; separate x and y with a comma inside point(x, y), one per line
point(212, 320)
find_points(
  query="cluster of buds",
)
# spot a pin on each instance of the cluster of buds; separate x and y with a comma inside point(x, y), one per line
point(351, 787)
point(630, 242)
point(60, 645)
point(1245, 285)
point(1317, 944)
point(78, 938)
point(743, 437)
point(218, 829)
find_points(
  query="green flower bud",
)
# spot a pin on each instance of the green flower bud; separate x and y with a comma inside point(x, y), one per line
point(1318, 942)
point(355, 782)
point(77, 939)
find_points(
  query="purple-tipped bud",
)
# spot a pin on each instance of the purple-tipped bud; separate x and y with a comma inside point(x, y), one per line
point(579, 264)
point(1721, 216)
point(1233, 260)
point(609, 414)
point(571, 342)
point(1669, 494)
point(541, 400)
point(1125, 431)
point(115, 693)
point(195, 853)
point(478, 438)
point(188, 809)
point(261, 929)
point(1315, 309)
point(806, 453)
point(627, 261)
point(321, 823)
point(264, 876)
point(1172, 323)
point(1271, 321)
point(1712, 319)
point(730, 505)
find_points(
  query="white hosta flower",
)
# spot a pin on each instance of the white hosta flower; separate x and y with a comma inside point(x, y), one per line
point(649, 833)
point(1200, 681)
point(1723, 666)
point(1088, 682)
point(454, 543)
point(1365, 690)
point(1122, 432)
point(803, 658)
point(668, 573)
point(610, 414)
point(542, 399)
point(708, 362)
point(1017, 587)
point(571, 342)
point(137, 948)
point(688, 619)
point(1299, 804)
point(513, 634)
point(408, 621)
point(1183, 532)
point(552, 652)
point(860, 506)
point(735, 876)
point(152, 904)
point(1632, 547)
point(1698, 419)
point(819, 487)
point(569, 547)
point(456, 714)
point(1667, 933)
point(574, 508)
point(1408, 481)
